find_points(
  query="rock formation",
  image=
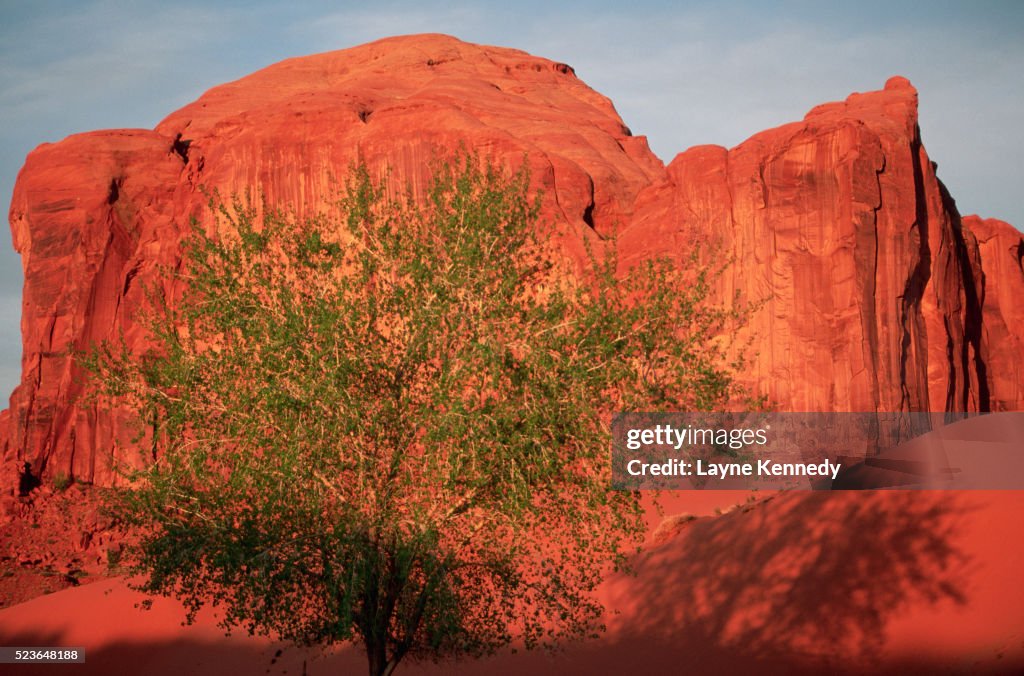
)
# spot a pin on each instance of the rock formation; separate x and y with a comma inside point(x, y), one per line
point(1001, 249)
point(875, 294)
point(838, 225)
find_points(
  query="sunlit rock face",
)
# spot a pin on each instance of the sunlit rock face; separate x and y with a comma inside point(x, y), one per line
point(873, 294)
point(1000, 248)
point(870, 282)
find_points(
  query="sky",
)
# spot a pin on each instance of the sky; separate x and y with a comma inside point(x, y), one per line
point(682, 74)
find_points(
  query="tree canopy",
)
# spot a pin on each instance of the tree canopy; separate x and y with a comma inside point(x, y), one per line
point(393, 427)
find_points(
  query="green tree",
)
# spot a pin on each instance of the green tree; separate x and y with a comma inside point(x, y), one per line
point(393, 427)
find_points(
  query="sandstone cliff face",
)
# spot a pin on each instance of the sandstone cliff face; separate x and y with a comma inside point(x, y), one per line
point(1001, 249)
point(91, 216)
point(96, 215)
point(839, 226)
point(873, 287)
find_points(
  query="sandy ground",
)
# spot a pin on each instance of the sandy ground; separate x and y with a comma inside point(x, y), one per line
point(893, 582)
point(843, 582)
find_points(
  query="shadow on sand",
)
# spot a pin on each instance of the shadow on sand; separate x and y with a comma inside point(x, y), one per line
point(805, 581)
point(800, 583)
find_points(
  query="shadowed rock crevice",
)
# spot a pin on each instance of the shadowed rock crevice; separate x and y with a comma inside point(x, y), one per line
point(128, 278)
point(973, 351)
point(866, 256)
point(27, 481)
point(114, 191)
point(914, 336)
point(588, 215)
point(180, 148)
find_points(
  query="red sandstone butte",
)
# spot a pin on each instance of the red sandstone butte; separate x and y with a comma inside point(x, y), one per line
point(873, 288)
point(1001, 249)
point(867, 275)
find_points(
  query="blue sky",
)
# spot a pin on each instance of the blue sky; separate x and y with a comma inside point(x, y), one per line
point(681, 73)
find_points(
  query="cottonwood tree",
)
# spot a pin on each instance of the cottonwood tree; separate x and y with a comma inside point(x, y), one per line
point(392, 428)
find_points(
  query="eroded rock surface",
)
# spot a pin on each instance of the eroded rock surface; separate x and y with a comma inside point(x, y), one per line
point(876, 294)
point(867, 277)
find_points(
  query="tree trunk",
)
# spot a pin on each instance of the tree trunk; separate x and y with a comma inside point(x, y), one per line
point(377, 656)
point(379, 663)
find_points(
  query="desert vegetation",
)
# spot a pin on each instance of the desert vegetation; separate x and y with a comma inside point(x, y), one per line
point(392, 427)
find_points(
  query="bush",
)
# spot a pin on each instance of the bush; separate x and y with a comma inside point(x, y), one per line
point(61, 482)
